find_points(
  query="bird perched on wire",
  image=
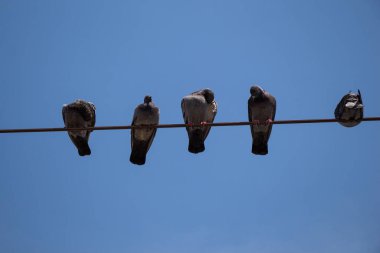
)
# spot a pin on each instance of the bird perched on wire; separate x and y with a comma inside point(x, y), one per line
point(349, 110)
point(261, 111)
point(79, 114)
point(198, 108)
point(141, 138)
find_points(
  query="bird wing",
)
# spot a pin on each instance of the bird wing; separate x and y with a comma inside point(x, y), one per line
point(340, 107)
point(361, 102)
point(210, 118)
point(360, 97)
point(250, 102)
point(184, 113)
point(183, 107)
point(93, 118)
point(150, 140)
point(272, 101)
point(63, 113)
point(133, 129)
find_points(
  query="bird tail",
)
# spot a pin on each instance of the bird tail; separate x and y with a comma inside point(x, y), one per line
point(138, 153)
point(82, 146)
point(196, 142)
point(259, 145)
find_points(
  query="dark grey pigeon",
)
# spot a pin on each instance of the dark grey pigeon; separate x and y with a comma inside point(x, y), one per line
point(261, 108)
point(350, 109)
point(142, 138)
point(197, 108)
point(76, 115)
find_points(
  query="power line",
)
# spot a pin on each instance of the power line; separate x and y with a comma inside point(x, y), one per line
point(245, 123)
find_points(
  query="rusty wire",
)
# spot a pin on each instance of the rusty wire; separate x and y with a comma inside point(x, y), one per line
point(245, 123)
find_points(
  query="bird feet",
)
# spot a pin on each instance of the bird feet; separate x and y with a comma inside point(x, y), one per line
point(268, 122)
point(190, 124)
point(256, 122)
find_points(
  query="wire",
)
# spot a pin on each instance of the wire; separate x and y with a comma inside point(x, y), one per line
point(277, 122)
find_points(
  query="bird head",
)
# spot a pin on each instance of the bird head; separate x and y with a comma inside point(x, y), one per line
point(147, 99)
point(256, 91)
point(209, 95)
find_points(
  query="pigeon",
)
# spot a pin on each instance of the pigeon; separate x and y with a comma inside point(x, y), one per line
point(349, 110)
point(261, 111)
point(142, 138)
point(198, 108)
point(77, 115)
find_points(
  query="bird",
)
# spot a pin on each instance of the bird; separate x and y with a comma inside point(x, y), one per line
point(79, 114)
point(141, 138)
point(349, 111)
point(198, 108)
point(261, 111)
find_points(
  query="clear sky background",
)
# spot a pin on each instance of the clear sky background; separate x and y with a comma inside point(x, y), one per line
point(316, 191)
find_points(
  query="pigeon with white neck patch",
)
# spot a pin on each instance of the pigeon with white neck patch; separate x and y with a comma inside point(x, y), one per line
point(349, 110)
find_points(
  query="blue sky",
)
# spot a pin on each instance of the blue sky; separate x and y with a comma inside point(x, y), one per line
point(316, 191)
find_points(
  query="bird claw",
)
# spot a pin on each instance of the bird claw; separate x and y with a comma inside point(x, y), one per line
point(268, 122)
point(204, 123)
point(256, 122)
